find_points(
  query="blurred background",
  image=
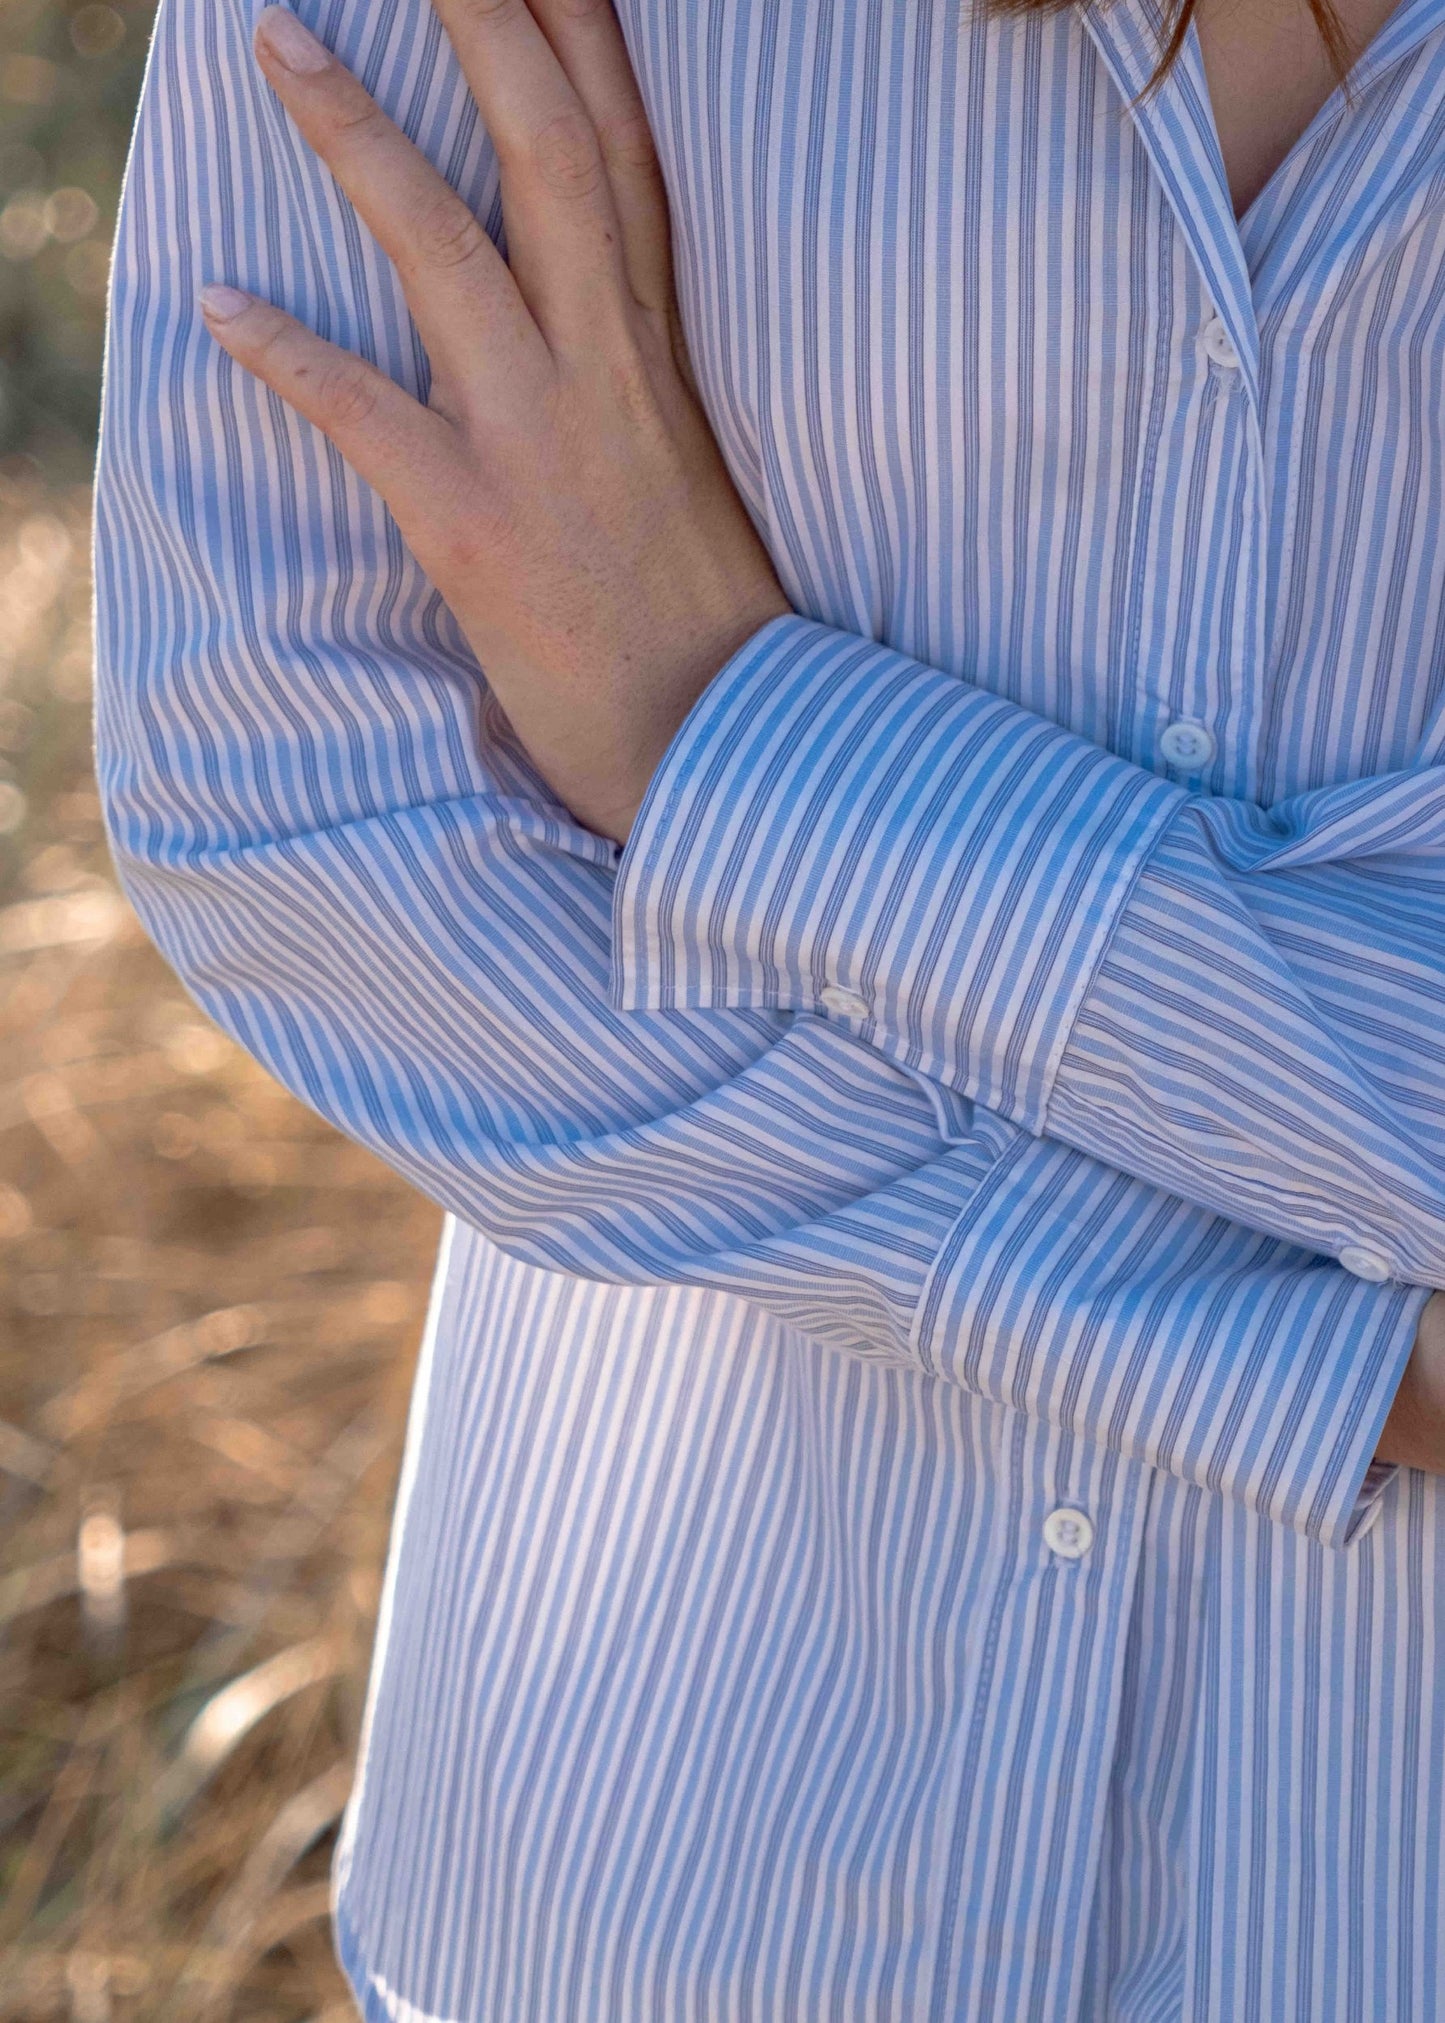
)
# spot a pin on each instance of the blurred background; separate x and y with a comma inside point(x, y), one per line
point(209, 1303)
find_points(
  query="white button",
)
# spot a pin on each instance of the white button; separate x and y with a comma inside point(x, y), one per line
point(846, 1003)
point(1187, 744)
point(1216, 341)
point(1370, 1264)
point(1068, 1533)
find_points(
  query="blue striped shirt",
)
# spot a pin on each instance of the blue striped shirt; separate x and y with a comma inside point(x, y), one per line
point(936, 1223)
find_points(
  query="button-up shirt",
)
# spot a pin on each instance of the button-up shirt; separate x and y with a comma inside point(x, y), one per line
point(936, 1223)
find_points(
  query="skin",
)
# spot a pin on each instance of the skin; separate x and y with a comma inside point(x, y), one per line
point(562, 488)
point(1269, 73)
point(1414, 1433)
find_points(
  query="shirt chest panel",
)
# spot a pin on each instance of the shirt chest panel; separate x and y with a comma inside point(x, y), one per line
point(1351, 288)
point(954, 343)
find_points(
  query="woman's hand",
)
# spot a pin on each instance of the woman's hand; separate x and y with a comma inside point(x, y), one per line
point(563, 489)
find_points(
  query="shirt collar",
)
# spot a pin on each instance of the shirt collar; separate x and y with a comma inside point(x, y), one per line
point(1176, 124)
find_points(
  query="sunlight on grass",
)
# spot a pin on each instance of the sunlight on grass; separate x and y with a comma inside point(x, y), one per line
point(209, 1305)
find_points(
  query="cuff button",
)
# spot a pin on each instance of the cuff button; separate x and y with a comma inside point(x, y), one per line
point(1368, 1264)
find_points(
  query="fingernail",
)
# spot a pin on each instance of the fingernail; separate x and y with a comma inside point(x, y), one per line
point(221, 303)
point(294, 47)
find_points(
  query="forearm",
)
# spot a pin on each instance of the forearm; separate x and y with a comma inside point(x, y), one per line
point(435, 984)
point(333, 839)
point(1266, 1032)
point(1243, 1007)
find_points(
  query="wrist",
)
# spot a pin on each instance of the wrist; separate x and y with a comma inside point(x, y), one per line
point(606, 792)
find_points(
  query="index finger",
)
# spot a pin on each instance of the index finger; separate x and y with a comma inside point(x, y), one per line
point(453, 276)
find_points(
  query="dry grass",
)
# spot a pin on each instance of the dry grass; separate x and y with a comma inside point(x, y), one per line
point(209, 1305)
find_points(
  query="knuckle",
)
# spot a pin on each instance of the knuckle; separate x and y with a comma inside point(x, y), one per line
point(443, 232)
point(567, 155)
point(356, 118)
point(269, 332)
point(627, 142)
point(484, 13)
point(345, 396)
point(264, 328)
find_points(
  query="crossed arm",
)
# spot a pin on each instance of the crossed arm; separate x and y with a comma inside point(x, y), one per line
point(389, 901)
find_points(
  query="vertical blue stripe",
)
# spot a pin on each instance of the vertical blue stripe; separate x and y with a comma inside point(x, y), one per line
point(727, 1670)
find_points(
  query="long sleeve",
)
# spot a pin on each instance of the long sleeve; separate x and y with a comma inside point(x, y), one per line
point(1266, 1031)
point(323, 823)
point(1244, 1006)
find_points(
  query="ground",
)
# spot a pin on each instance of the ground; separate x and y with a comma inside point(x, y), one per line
point(209, 1309)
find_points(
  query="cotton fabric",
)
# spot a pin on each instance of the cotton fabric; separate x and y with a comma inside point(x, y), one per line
point(725, 1670)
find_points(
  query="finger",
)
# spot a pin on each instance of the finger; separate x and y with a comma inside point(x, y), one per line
point(563, 232)
point(466, 303)
point(392, 441)
point(587, 38)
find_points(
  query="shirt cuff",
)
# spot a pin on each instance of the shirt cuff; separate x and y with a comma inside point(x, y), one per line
point(839, 829)
point(1368, 1502)
point(1245, 1365)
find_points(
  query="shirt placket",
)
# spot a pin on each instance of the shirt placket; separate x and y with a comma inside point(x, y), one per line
point(1019, 1874)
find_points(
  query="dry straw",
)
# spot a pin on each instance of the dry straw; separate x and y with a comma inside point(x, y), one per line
point(208, 1309)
